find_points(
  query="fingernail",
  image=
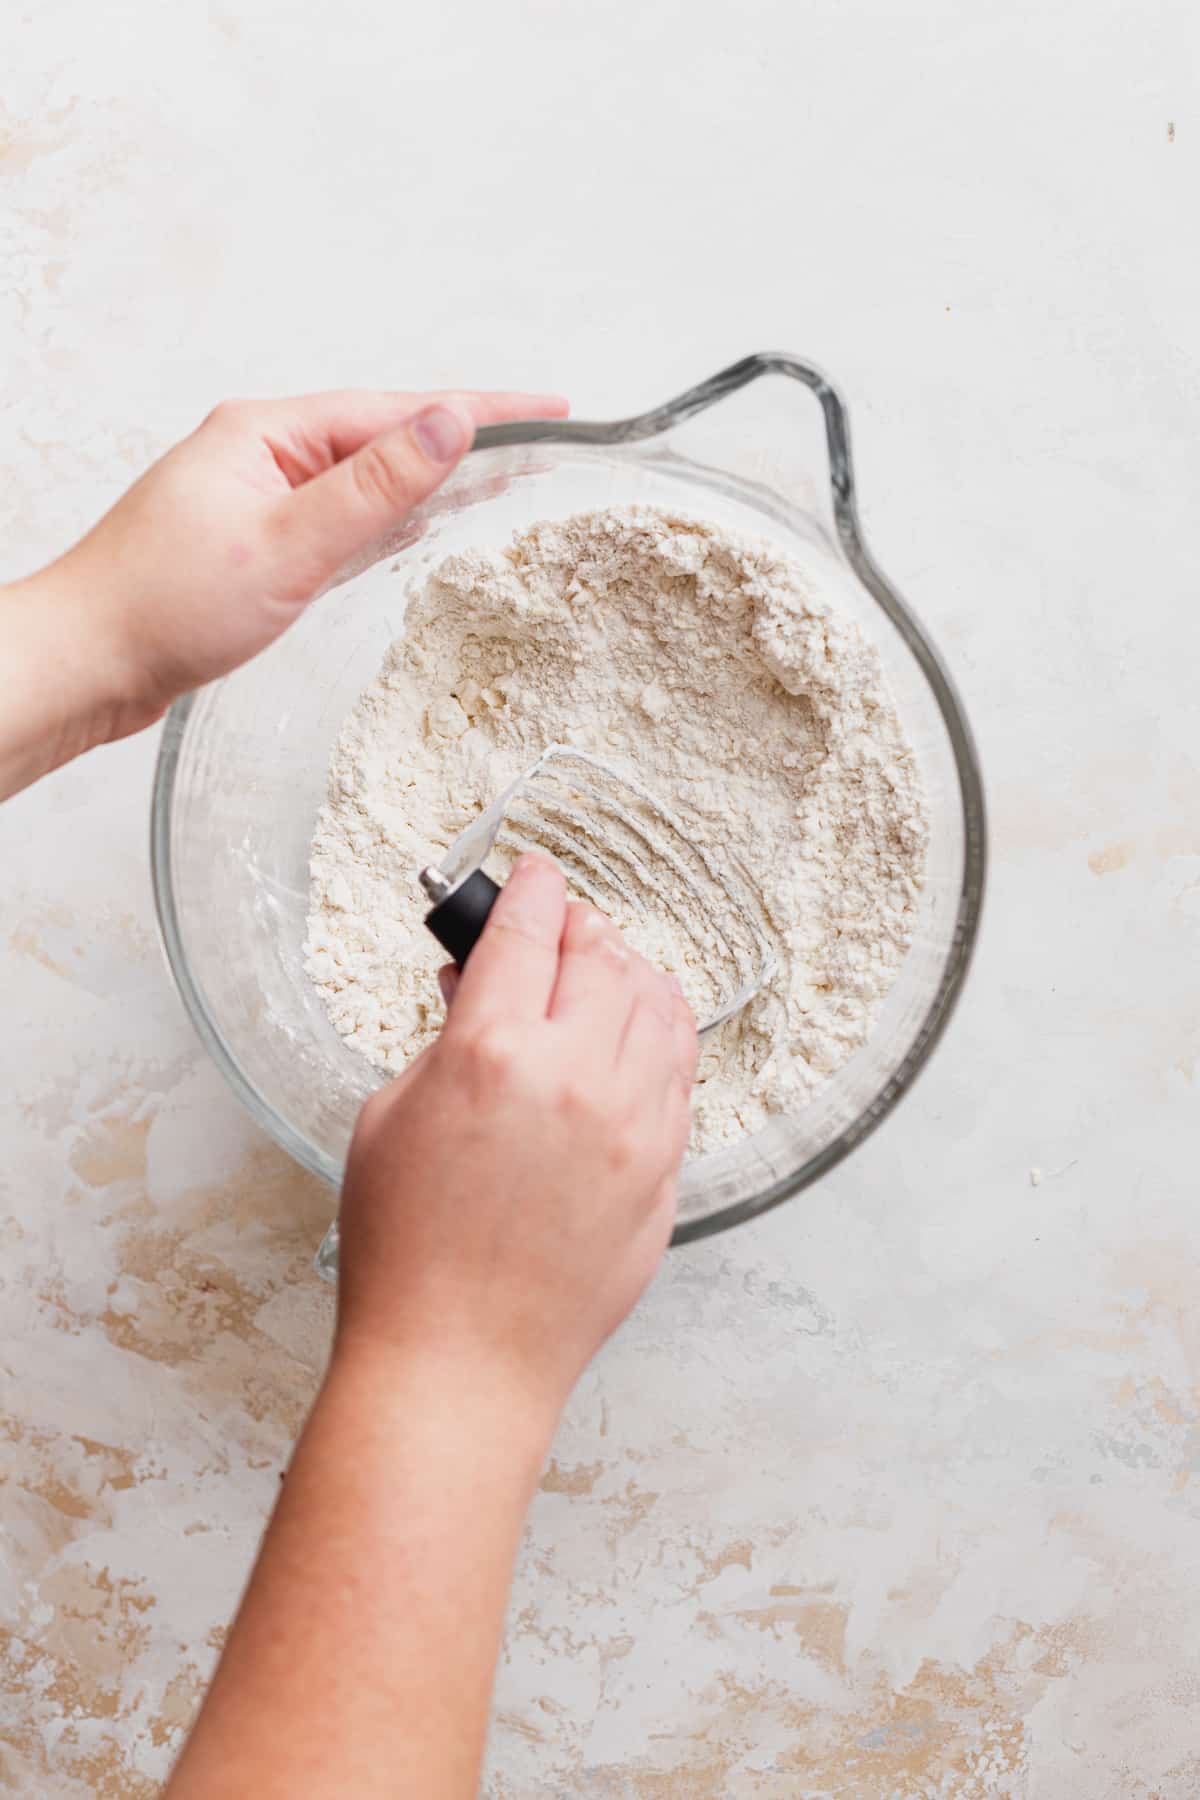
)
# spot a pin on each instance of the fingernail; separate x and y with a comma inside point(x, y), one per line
point(447, 982)
point(440, 433)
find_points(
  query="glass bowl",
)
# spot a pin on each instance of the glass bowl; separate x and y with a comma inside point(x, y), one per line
point(242, 768)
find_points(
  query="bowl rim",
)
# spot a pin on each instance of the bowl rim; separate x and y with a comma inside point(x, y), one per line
point(969, 908)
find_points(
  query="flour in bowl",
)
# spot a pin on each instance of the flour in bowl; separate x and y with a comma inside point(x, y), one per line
point(705, 666)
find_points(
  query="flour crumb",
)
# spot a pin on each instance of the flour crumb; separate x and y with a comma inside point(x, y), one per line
point(704, 665)
point(655, 701)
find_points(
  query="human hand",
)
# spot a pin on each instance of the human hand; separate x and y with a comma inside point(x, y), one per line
point(509, 1197)
point(221, 544)
point(506, 1202)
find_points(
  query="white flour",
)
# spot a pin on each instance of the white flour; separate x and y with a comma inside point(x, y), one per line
point(700, 663)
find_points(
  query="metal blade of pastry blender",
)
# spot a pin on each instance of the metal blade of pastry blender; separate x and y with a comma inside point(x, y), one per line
point(605, 827)
point(473, 845)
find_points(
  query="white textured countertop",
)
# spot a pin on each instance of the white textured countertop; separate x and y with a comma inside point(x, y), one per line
point(896, 1493)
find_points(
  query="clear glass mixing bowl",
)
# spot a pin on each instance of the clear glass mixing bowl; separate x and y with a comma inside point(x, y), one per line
point(242, 768)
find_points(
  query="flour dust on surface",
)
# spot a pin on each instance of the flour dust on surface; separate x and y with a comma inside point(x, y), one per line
point(702, 664)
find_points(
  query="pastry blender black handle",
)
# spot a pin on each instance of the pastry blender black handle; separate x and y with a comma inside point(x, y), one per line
point(459, 913)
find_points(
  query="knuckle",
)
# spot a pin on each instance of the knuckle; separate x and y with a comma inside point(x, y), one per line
point(517, 923)
point(228, 414)
point(656, 998)
point(624, 1148)
point(380, 476)
point(577, 1099)
point(612, 957)
point(589, 927)
point(493, 1053)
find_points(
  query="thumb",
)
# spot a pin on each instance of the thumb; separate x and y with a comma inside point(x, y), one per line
point(344, 511)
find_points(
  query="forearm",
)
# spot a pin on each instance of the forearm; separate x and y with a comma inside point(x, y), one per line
point(64, 690)
point(362, 1658)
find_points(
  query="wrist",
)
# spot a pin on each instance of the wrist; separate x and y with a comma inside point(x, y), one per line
point(82, 623)
point(448, 1389)
point(73, 690)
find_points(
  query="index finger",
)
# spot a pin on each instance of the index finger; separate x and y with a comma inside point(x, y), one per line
point(512, 970)
point(312, 432)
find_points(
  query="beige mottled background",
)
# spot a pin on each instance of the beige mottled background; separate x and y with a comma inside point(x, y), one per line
point(893, 1495)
